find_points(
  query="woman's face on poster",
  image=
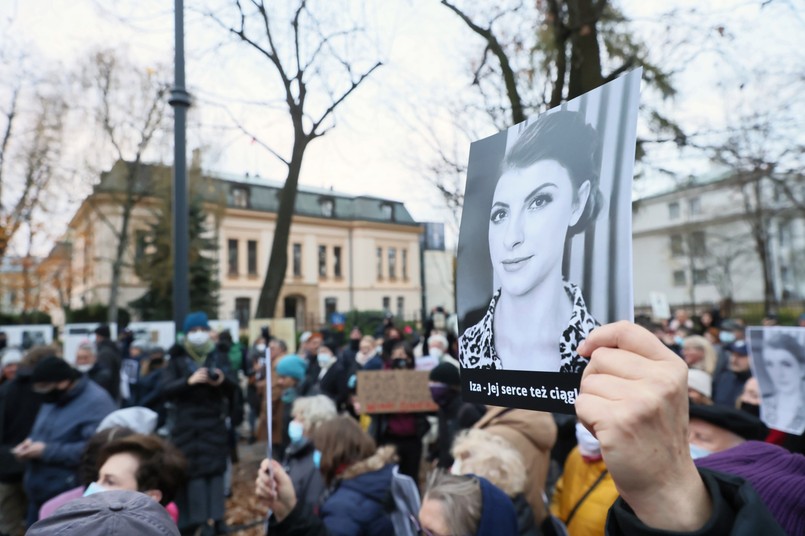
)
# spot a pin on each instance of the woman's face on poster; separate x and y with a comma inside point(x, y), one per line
point(783, 369)
point(532, 209)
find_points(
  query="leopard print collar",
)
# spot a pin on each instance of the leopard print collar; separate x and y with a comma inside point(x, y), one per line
point(477, 343)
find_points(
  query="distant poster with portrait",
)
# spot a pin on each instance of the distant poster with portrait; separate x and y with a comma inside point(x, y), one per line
point(777, 358)
point(161, 333)
point(28, 336)
point(545, 247)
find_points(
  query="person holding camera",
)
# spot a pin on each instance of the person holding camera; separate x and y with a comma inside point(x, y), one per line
point(197, 384)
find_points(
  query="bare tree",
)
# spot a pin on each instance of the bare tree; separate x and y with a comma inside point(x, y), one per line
point(313, 66)
point(130, 108)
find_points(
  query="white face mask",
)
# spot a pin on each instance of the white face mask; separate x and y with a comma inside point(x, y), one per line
point(588, 444)
point(324, 359)
point(436, 352)
point(455, 469)
point(198, 338)
point(261, 348)
point(84, 368)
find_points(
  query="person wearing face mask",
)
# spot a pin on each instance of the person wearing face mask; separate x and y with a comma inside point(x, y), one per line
point(86, 362)
point(437, 352)
point(198, 384)
point(445, 389)
point(368, 355)
point(72, 408)
point(333, 376)
point(728, 386)
point(585, 491)
point(718, 428)
point(308, 413)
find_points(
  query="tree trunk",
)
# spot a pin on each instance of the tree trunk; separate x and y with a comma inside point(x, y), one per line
point(120, 253)
point(278, 260)
point(585, 55)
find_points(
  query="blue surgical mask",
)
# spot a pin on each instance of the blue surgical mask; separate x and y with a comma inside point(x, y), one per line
point(726, 337)
point(679, 340)
point(317, 458)
point(697, 452)
point(94, 488)
point(295, 431)
point(324, 359)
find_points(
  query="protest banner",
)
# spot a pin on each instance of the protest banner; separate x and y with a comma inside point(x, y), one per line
point(544, 253)
point(77, 334)
point(280, 328)
point(161, 333)
point(777, 359)
point(26, 336)
point(394, 391)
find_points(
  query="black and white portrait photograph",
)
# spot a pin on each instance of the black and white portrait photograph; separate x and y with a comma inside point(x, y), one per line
point(777, 358)
point(544, 251)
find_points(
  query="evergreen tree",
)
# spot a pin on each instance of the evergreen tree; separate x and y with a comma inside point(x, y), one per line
point(155, 268)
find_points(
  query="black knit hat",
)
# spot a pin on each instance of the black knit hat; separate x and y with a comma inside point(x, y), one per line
point(734, 420)
point(53, 369)
point(445, 373)
point(104, 331)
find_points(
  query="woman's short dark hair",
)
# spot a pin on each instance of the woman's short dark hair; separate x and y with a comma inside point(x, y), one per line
point(342, 442)
point(162, 466)
point(783, 341)
point(565, 137)
point(88, 466)
point(409, 352)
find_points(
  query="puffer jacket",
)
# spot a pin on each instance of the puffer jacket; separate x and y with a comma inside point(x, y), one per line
point(533, 434)
point(307, 480)
point(197, 414)
point(360, 503)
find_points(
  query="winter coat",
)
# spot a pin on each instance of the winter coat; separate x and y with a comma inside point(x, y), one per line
point(197, 413)
point(737, 511)
point(448, 427)
point(64, 428)
point(334, 384)
point(533, 434)
point(526, 526)
point(307, 480)
point(361, 499)
point(728, 386)
point(103, 375)
point(577, 479)
point(108, 357)
point(19, 405)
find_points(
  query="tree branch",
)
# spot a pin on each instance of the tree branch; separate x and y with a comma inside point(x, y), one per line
point(340, 99)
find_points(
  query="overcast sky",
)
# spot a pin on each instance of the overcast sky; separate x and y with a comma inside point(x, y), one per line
point(377, 147)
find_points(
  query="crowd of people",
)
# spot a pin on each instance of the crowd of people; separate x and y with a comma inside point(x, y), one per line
point(666, 440)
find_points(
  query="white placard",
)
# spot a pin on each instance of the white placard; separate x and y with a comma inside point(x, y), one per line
point(161, 333)
point(26, 336)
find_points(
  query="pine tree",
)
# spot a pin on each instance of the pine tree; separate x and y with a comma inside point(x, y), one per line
point(155, 268)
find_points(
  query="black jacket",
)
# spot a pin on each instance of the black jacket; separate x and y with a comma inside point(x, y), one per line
point(197, 413)
point(737, 511)
point(334, 384)
point(526, 526)
point(306, 478)
point(19, 405)
point(448, 426)
point(108, 358)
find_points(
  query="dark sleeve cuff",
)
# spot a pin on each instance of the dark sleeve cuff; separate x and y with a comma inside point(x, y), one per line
point(622, 520)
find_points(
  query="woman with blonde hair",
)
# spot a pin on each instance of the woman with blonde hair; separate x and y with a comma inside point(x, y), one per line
point(698, 353)
point(492, 457)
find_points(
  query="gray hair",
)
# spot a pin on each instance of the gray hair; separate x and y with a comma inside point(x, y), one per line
point(438, 337)
point(490, 456)
point(461, 500)
point(87, 346)
point(314, 410)
point(281, 343)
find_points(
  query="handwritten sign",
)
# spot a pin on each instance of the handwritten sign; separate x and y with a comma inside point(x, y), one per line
point(394, 391)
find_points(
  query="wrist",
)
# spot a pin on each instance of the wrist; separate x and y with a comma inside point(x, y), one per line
point(679, 504)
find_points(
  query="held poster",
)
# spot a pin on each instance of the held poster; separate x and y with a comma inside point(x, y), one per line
point(544, 253)
point(777, 358)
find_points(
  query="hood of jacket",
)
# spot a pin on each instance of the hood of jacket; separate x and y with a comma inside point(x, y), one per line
point(371, 477)
point(498, 516)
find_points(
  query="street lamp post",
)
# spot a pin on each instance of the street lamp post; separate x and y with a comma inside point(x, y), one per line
point(180, 101)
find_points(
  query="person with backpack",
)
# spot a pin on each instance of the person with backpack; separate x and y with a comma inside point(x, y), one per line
point(367, 494)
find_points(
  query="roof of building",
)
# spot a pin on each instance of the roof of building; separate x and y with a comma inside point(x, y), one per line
point(252, 192)
point(692, 182)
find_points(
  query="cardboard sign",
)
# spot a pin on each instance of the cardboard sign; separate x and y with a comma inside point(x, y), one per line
point(544, 248)
point(27, 336)
point(161, 334)
point(394, 391)
point(281, 328)
point(76, 334)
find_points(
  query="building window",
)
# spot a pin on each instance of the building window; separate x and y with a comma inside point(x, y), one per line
point(698, 246)
point(240, 197)
point(679, 278)
point(695, 206)
point(232, 248)
point(140, 244)
point(677, 245)
point(243, 307)
point(400, 307)
point(330, 308)
point(379, 264)
point(673, 210)
point(252, 261)
point(337, 261)
point(327, 207)
point(322, 261)
point(392, 263)
point(386, 304)
point(387, 211)
point(297, 260)
point(700, 276)
point(404, 261)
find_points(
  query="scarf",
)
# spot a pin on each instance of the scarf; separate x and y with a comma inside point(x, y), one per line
point(199, 353)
